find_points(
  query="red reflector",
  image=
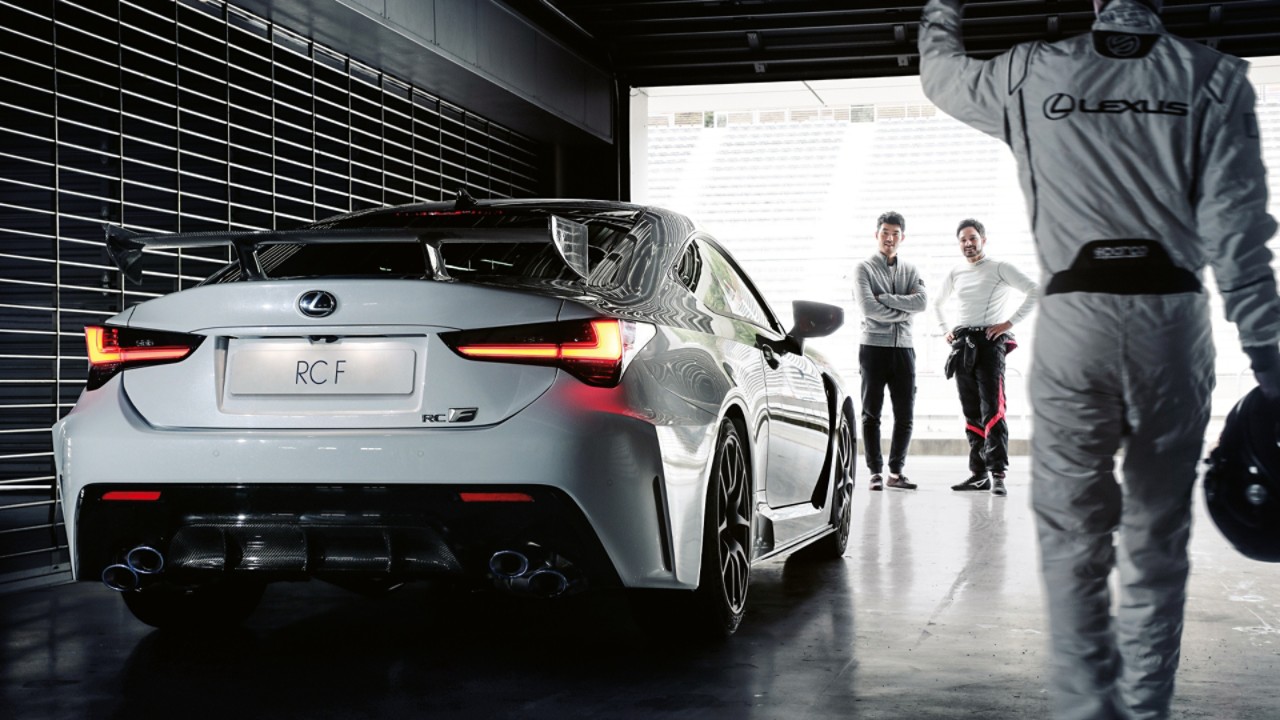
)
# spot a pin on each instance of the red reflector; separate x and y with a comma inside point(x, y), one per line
point(142, 495)
point(495, 497)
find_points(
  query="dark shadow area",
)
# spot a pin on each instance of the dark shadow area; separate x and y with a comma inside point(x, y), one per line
point(935, 613)
point(315, 651)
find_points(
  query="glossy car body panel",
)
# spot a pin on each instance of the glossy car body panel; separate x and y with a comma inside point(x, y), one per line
point(634, 460)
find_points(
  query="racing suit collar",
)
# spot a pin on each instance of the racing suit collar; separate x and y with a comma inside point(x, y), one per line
point(1128, 16)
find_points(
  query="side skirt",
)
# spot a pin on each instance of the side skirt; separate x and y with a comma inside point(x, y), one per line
point(780, 530)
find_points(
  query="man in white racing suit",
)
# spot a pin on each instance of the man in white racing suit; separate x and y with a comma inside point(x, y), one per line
point(1139, 156)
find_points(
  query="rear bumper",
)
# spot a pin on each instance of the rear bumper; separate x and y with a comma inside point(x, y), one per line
point(638, 488)
point(207, 533)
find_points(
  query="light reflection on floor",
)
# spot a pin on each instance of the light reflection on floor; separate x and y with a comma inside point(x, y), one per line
point(935, 612)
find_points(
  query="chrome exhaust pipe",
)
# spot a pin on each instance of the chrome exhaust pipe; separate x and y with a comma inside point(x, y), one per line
point(145, 560)
point(120, 578)
point(508, 564)
point(547, 583)
point(532, 570)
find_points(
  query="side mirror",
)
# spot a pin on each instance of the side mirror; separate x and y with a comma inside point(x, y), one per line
point(815, 319)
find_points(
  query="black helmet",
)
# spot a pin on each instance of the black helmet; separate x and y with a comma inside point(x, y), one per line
point(1242, 484)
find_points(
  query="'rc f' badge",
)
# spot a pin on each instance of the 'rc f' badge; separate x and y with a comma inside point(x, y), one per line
point(455, 415)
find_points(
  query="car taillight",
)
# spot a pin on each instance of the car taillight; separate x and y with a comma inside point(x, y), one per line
point(596, 352)
point(113, 348)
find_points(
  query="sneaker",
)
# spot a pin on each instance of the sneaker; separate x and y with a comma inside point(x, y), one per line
point(901, 483)
point(977, 482)
point(877, 482)
point(997, 485)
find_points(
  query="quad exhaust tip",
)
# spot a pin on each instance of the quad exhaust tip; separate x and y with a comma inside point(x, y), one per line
point(138, 562)
point(515, 572)
point(145, 560)
point(509, 564)
point(120, 578)
point(547, 583)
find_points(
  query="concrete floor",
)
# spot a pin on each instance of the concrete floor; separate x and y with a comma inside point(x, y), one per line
point(935, 612)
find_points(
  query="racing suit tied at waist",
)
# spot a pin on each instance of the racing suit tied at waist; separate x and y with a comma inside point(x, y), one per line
point(964, 347)
point(1123, 267)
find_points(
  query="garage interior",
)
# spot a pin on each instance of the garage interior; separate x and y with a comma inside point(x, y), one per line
point(203, 115)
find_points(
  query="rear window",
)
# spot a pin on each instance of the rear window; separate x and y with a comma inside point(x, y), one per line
point(405, 260)
point(523, 260)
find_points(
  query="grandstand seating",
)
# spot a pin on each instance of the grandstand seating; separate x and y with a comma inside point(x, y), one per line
point(796, 202)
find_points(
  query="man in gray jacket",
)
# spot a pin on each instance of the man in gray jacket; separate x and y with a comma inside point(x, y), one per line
point(1139, 156)
point(889, 291)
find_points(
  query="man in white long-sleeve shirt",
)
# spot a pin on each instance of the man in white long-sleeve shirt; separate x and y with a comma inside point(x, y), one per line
point(979, 340)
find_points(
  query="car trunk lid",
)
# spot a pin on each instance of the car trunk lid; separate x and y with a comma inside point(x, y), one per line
point(375, 360)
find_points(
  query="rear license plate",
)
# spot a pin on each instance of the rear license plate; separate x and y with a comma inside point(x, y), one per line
point(323, 371)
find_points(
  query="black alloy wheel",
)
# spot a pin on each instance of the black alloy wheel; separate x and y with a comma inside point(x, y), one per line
point(205, 608)
point(726, 539)
point(846, 463)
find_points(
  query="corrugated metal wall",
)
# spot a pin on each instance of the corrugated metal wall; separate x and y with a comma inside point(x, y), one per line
point(179, 116)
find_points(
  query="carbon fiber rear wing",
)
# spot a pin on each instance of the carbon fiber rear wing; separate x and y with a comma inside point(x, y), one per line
point(126, 247)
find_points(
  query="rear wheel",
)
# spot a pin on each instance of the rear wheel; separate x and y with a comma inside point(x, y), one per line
point(726, 538)
point(209, 607)
point(715, 609)
point(834, 545)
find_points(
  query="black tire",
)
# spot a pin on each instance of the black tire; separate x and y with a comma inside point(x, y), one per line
point(846, 462)
point(721, 598)
point(209, 607)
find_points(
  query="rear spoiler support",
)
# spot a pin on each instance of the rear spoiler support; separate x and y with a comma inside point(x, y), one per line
point(125, 248)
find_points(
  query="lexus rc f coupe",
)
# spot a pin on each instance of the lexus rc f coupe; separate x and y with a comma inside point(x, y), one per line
point(543, 397)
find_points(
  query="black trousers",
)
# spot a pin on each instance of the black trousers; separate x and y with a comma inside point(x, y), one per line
point(981, 387)
point(896, 368)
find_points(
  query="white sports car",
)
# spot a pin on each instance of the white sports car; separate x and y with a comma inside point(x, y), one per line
point(542, 396)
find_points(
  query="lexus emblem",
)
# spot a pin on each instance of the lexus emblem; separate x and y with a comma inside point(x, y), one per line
point(317, 303)
point(1059, 106)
